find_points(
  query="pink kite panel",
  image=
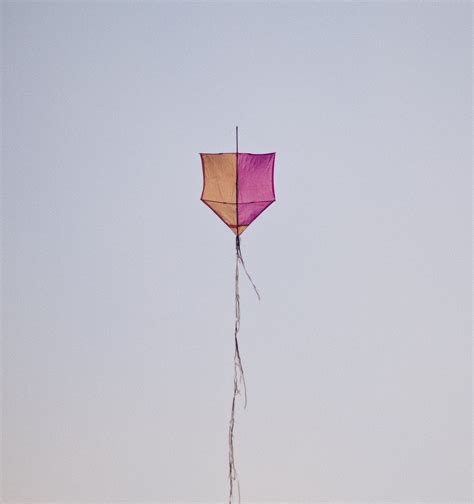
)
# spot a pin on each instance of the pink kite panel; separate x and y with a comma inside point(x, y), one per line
point(248, 212)
point(255, 185)
point(255, 178)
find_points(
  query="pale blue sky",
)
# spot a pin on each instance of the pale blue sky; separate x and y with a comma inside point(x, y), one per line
point(118, 281)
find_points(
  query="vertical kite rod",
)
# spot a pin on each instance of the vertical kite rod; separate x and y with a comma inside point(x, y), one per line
point(237, 183)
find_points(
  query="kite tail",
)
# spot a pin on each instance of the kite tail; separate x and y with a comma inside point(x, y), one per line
point(239, 377)
point(241, 260)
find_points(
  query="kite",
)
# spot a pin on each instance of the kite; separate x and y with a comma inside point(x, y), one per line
point(237, 187)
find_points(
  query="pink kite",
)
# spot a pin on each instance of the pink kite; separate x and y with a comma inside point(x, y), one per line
point(238, 187)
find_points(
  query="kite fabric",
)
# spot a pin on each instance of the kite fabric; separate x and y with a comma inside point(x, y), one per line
point(237, 187)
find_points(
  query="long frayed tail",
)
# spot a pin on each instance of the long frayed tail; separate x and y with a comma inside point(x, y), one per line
point(241, 260)
point(239, 377)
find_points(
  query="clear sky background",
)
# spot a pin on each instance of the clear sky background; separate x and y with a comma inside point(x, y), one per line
point(118, 282)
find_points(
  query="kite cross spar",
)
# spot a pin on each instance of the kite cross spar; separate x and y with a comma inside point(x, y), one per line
point(237, 187)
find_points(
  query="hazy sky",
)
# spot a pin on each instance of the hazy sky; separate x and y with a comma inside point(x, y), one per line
point(118, 282)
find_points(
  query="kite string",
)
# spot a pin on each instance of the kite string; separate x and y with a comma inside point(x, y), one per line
point(241, 260)
point(239, 377)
